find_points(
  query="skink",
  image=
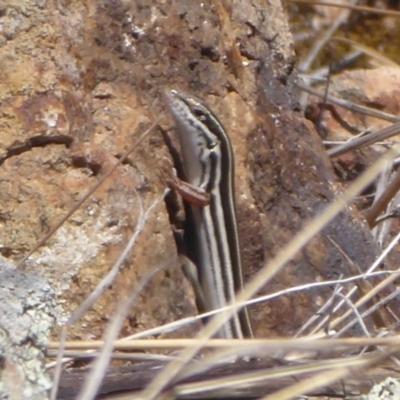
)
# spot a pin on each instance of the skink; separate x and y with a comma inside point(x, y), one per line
point(208, 164)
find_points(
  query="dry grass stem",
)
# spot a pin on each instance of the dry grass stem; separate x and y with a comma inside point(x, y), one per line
point(375, 55)
point(116, 355)
point(57, 372)
point(381, 203)
point(358, 317)
point(325, 309)
point(190, 320)
point(253, 377)
point(368, 311)
point(372, 10)
point(303, 343)
point(365, 140)
point(375, 290)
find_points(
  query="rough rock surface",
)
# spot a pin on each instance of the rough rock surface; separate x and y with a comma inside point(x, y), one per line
point(27, 305)
point(389, 389)
point(82, 80)
point(68, 109)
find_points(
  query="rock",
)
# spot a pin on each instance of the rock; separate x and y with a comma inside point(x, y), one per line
point(27, 315)
point(80, 84)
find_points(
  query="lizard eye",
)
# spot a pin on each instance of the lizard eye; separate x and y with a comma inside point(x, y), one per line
point(199, 114)
point(212, 145)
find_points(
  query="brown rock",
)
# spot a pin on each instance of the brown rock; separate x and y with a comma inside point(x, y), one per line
point(81, 83)
point(67, 112)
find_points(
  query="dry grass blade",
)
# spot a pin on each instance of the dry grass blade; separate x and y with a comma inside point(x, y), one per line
point(327, 377)
point(168, 374)
point(263, 345)
point(169, 327)
point(375, 290)
point(366, 297)
point(312, 285)
point(372, 10)
point(364, 286)
point(232, 381)
point(323, 311)
point(266, 376)
point(376, 306)
point(383, 201)
point(57, 371)
point(274, 371)
point(369, 51)
point(358, 317)
point(116, 355)
point(271, 374)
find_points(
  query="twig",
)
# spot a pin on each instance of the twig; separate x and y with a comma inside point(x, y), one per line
point(383, 201)
point(365, 140)
point(320, 74)
point(351, 106)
